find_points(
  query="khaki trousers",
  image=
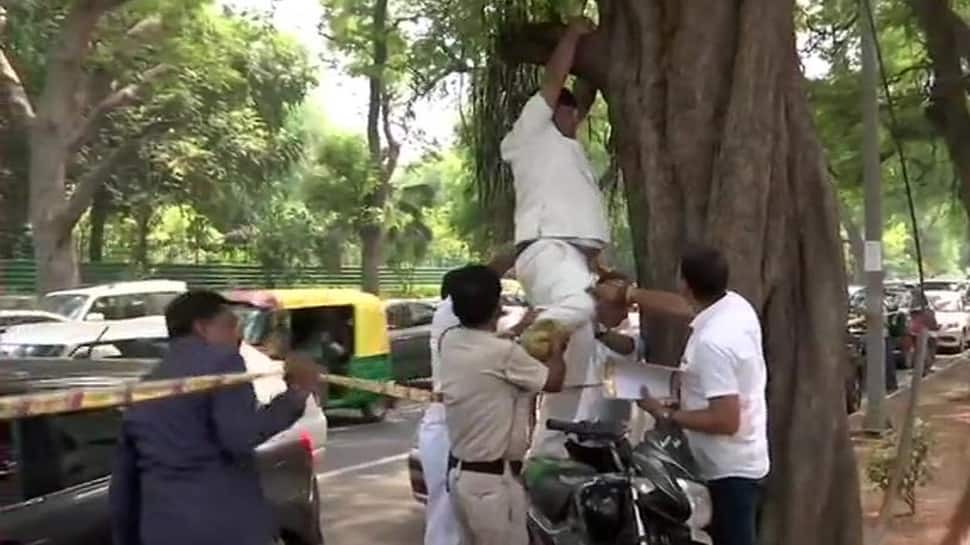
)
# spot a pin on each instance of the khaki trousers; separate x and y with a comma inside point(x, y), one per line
point(491, 509)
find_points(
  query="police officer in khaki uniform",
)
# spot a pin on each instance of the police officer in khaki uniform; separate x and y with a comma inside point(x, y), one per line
point(487, 388)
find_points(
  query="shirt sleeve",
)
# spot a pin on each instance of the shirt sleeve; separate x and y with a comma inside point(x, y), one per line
point(240, 424)
point(716, 370)
point(523, 370)
point(536, 115)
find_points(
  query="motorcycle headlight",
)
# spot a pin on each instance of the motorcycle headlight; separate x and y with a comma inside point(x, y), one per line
point(700, 503)
point(643, 486)
point(602, 505)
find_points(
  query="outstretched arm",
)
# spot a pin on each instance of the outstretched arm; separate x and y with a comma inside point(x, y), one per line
point(585, 94)
point(561, 60)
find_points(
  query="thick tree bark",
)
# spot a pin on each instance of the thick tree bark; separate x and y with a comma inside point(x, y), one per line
point(716, 144)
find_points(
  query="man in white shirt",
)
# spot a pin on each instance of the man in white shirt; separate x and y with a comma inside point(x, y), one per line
point(723, 407)
point(560, 222)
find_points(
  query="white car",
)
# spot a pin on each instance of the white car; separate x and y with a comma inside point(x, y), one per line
point(9, 318)
point(147, 338)
point(117, 301)
point(953, 317)
point(138, 338)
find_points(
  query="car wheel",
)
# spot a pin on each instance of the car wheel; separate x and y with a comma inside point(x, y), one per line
point(376, 410)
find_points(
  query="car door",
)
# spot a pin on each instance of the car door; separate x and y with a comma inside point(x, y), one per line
point(60, 479)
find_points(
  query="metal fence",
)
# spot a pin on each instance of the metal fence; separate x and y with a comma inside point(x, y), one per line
point(19, 276)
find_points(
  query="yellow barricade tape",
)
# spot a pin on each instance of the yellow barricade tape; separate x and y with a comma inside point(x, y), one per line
point(82, 399)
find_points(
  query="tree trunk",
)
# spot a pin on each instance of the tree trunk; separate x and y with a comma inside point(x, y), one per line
point(143, 218)
point(716, 144)
point(383, 161)
point(372, 258)
point(98, 218)
point(54, 252)
point(856, 245)
point(13, 190)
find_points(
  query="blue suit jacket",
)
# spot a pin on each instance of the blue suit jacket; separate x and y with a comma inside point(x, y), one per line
point(185, 471)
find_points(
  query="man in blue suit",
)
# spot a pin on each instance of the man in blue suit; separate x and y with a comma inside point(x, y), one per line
point(185, 471)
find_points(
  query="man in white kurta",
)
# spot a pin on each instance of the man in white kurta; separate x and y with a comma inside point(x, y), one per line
point(560, 226)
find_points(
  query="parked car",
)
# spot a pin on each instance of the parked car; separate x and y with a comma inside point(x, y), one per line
point(409, 328)
point(54, 470)
point(953, 318)
point(10, 318)
point(117, 301)
point(138, 338)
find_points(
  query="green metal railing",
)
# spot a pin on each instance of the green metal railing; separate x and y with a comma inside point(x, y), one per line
point(19, 276)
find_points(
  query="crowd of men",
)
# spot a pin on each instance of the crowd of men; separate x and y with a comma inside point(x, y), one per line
point(185, 470)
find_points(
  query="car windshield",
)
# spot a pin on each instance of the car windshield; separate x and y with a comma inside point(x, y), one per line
point(67, 305)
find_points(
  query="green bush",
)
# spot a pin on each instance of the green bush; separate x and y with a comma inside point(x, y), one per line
point(879, 467)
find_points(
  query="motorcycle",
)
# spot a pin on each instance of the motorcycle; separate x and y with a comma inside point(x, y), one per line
point(609, 493)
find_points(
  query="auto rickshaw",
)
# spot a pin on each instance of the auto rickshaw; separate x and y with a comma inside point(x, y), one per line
point(343, 330)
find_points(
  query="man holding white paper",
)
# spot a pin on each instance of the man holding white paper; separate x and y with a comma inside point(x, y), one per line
point(723, 407)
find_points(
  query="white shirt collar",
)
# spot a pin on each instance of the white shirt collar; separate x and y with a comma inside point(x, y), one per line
point(705, 315)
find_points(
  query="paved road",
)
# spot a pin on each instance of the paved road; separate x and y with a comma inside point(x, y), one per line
point(364, 489)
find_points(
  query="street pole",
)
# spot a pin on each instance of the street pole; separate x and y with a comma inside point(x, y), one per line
point(875, 420)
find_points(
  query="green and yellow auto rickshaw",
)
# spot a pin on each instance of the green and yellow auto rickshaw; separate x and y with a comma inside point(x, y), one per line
point(343, 330)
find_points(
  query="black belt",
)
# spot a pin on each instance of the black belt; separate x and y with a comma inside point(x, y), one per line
point(586, 250)
point(494, 467)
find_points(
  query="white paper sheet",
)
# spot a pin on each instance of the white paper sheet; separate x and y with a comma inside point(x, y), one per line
point(627, 380)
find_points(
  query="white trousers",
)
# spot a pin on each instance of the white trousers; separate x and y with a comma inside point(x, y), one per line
point(556, 278)
point(441, 526)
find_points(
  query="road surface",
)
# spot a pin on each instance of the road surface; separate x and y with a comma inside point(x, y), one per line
point(365, 493)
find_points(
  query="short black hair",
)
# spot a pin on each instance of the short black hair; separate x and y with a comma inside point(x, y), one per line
point(190, 307)
point(567, 98)
point(475, 295)
point(705, 271)
point(447, 281)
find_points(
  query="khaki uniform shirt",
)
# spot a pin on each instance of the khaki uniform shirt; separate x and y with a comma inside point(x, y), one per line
point(487, 387)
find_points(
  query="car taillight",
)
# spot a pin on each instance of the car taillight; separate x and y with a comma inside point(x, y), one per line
point(306, 441)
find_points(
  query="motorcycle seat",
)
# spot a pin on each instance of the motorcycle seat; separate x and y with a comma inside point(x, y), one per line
point(550, 484)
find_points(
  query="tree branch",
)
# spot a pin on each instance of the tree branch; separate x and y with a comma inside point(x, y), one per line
point(393, 151)
point(532, 43)
point(90, 183)
point(12, 91)
point(120, 98)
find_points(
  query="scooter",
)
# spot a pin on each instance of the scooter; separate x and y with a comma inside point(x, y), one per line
point(609, 493)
